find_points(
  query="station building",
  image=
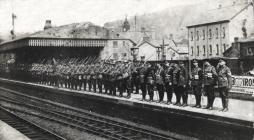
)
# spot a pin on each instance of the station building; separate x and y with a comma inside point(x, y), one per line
point(63, 42)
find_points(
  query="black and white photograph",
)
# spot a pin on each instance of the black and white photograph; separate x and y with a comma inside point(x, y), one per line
point(126, 69)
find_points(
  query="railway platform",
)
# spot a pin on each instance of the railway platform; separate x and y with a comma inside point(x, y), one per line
point(237, 123)
point(9, 133)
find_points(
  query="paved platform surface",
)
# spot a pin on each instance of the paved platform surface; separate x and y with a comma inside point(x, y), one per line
point(9, 133)
point(238, 109)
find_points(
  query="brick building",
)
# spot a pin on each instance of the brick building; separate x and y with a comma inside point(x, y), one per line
point(216, 29)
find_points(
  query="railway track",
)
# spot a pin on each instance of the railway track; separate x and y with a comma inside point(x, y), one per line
point(26, 127)
point(82, 120)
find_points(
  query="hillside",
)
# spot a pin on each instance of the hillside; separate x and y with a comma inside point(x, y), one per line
point(172, 20)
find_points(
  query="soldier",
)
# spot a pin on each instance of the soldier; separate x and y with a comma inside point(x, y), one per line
point(182, 84)
point(142, 80)
point(100, 79)
point(168, 82)
point(112, 78)
point(150, 76)
point(135, 80)
point(159, 74)
point(196, 77)
point(209, 80)
point(224, 83)
point(175, 78)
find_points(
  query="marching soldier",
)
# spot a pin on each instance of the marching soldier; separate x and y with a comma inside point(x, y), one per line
point(168, 82)
point(196, 77)
point(224, 83)
point(159, 74)
point(209, 80)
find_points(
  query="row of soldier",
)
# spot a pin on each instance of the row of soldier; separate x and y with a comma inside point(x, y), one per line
point(109, 77)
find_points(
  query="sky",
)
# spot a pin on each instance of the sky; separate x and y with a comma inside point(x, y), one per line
point(31, 14)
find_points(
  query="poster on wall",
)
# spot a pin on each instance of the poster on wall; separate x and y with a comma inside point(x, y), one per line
point(243, 84)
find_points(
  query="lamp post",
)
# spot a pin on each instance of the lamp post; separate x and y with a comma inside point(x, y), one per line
point(134, 53)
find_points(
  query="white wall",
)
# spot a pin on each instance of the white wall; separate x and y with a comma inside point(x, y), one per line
point(123, 47)
point(148, 51)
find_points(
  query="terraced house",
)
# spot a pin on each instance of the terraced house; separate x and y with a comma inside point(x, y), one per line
point(216, 29)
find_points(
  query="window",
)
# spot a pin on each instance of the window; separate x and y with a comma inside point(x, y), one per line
point(191, 36)
point(224, 47)
point(203, 34)
point(217, 33)
point(204, 50)
point(115, 56)
point(191, 50)
point(115, 44)
point(217, 47)
point(123, 43)
point(197, 50)
point(197, 35)
point(211, 49)
point(210, 33)
point(223, 32)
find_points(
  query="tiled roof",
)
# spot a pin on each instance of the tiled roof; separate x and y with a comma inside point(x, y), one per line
point(222, 14)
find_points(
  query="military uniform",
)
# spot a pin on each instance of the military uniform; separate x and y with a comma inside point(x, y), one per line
point(142, 80)
point(224, 84)
point(182, 85)
point(135, 80)
point(168, 83)
point(150, 79)
point(209, 80)
point(196, 83)
point(159, 74)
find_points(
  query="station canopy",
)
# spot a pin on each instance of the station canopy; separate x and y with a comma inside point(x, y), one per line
point(72, 35)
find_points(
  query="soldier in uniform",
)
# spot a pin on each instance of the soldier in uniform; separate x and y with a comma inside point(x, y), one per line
point(209, 80)
point(196, 77)
point(112, 79)
point(135, 80)
point(159, 74)
point(168, 82)
point(100, 79)
point(150, 79)
point(175, 73)
point(224, 83)
point(142, 80)
point(182, 84)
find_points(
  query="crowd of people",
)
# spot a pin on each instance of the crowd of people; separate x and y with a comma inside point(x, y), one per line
point(115, 78)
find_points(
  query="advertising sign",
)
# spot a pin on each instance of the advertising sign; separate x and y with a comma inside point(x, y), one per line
point(243, 84)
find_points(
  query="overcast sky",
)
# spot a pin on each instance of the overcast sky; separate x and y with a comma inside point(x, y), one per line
point(31, 14)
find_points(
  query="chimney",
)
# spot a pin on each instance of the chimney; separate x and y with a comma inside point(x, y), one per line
point(47, 24)
point(233, 2)
point(220, 6)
